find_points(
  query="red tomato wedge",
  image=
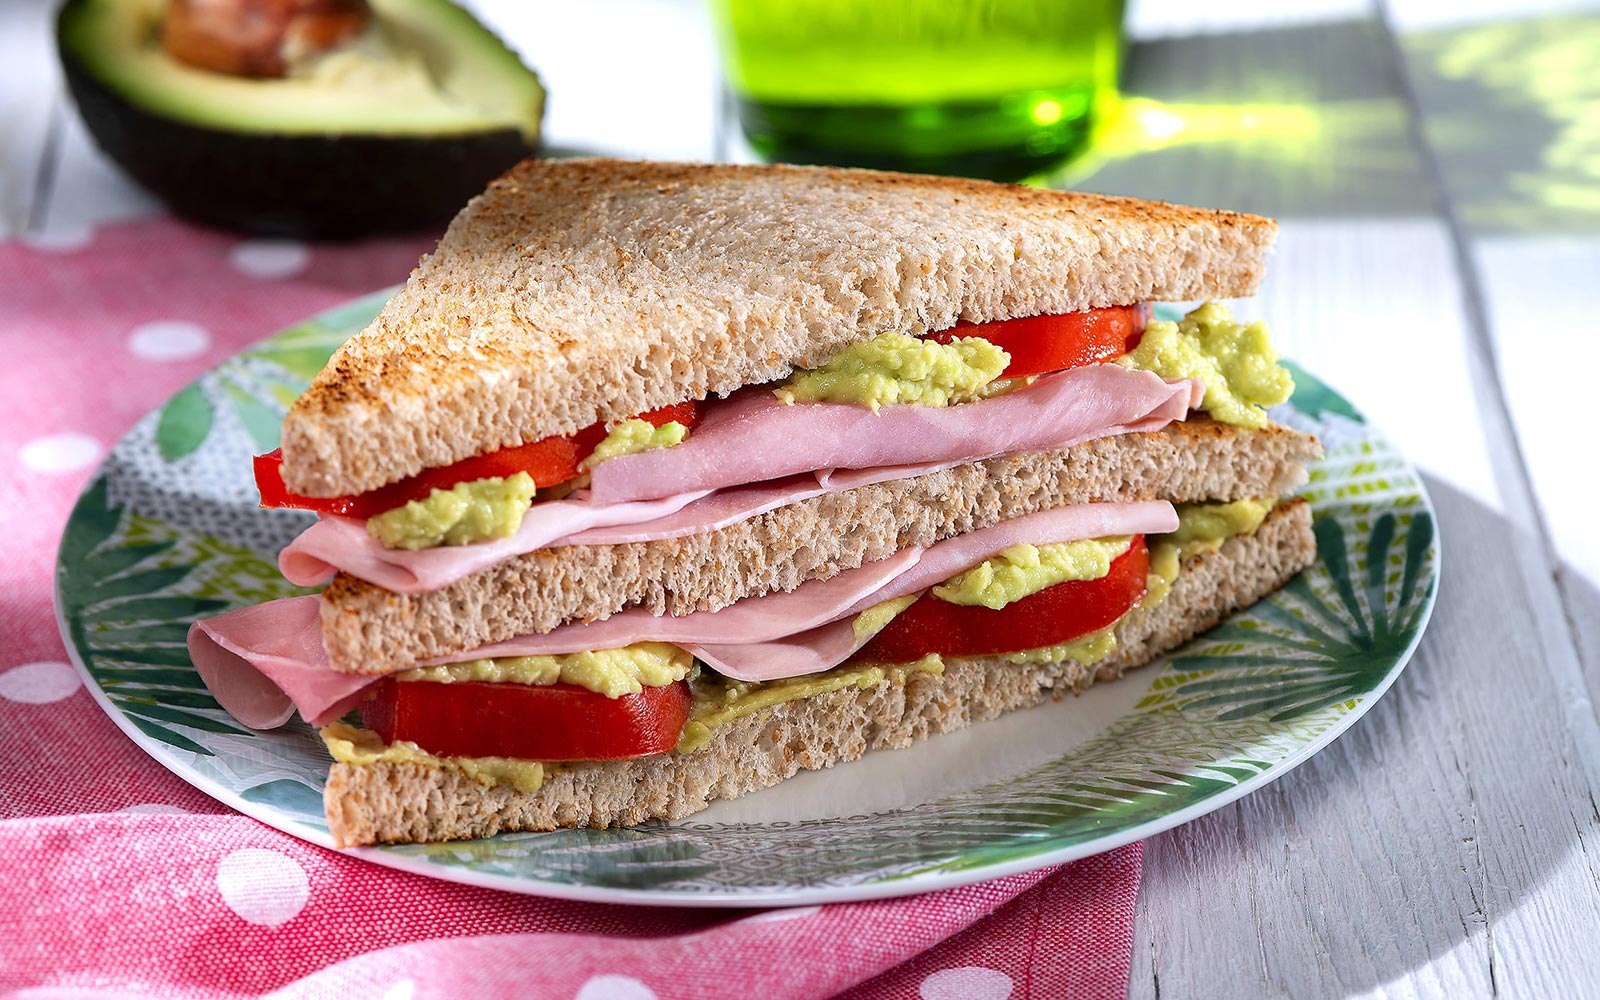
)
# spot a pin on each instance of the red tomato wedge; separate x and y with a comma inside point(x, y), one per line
point(1040, 344)
point(528, 721)
point(549, 461)
point(1054, 615)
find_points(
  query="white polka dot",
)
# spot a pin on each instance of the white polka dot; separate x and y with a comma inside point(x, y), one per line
point(405, 989)
point(614, 988)
point(153, 809)
point(38, 683)
point(168, 340)
point(971, 982)
point(261, 886)
point(59, 240)
point(60, 452)
point(773, 916)
point(270, 258)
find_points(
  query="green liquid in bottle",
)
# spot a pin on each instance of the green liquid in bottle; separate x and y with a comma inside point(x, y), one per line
point(983, 88)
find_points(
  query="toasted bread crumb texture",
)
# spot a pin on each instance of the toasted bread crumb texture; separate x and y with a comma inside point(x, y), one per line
point(367, 629)
point(582, 290)
point(390, 803)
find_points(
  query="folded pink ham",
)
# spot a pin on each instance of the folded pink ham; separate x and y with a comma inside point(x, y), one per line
point(753, 454)
point(263, 662)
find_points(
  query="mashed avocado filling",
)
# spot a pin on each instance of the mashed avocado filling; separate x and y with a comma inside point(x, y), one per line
point(1024, 570)
point(1203, 527)
point(897, 368)
point(721, 700)
point(611, 672)
point(466, 513)
point(485, 509)
point(349, 745)
point(1237, 363)
point(632, 436)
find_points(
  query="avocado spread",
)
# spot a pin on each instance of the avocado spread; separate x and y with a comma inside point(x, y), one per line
point(1203, 527)
point(1023, 570)
point(1085, 649)
point(876, 618)
point(897, 368)
point(465, 513)
point(611, 672)
point(349, 745)
point(1237, 363)
point(1165, 561)
point(631, 436)
point(720, 700)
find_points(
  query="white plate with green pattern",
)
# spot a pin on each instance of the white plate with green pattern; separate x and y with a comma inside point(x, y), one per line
point(168, 531)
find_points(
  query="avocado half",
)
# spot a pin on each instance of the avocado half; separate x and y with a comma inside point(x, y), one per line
point(299, 157)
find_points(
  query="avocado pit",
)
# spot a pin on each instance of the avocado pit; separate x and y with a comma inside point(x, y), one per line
point(258, 38)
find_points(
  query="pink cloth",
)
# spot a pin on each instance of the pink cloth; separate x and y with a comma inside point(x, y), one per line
point(117, 878)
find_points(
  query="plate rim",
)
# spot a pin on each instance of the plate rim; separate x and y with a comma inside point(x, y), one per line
point(728, 897)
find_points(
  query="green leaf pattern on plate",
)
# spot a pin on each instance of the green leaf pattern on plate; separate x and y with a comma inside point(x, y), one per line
point(1239, 703)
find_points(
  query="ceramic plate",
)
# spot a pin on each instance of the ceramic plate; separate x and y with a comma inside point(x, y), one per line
point(168, 531)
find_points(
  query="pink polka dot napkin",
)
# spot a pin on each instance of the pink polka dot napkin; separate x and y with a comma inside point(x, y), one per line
point(118, 879)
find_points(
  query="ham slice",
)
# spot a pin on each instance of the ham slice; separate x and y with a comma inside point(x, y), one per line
point(260, 661)
point(341, 543)
point(752, 455)
point(263, 662)
point(754, 437)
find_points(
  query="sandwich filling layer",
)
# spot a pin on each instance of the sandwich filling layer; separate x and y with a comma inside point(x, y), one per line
point(714, 700)
point(872, 409)
point(263, 661)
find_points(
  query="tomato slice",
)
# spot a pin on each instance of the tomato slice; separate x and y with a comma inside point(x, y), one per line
point(1054, 615)
point(528, 721)
point(549, 461)
point(1040, 344)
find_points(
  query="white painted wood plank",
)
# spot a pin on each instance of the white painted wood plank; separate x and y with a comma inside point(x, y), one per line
point(625, 77)
point(1180, 18)
point(1542, 295)
point(1426, 15)
point(29, 82)
point(1367, 306)
point(86, 189)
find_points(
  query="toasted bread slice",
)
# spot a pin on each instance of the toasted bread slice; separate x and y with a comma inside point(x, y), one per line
point(405, 802)
point(368, 629)
point(583, 290)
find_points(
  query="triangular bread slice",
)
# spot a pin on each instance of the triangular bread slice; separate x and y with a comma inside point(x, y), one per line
point(404, 802)
point(583, 290)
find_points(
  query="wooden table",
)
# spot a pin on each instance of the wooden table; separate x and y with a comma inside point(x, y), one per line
point(1439, 262)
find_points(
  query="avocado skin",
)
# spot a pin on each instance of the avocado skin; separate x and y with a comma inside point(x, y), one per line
point(304, 187)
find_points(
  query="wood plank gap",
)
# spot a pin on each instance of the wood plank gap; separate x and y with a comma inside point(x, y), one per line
point(44, 177)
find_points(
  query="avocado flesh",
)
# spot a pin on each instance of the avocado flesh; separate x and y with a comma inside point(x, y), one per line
point(472, 82)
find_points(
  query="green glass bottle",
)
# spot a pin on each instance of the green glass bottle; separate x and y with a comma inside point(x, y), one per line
point(981, 88)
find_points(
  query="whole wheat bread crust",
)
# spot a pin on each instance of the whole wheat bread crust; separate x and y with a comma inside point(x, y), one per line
point(392, 803)
point(582, 290)
point(367, 629)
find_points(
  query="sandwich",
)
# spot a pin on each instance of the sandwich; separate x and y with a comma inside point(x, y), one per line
point(658, 483)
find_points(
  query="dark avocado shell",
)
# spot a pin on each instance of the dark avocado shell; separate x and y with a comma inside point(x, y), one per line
point(309, 186)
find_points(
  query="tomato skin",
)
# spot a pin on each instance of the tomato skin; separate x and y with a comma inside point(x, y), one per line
point(1041, 344)
point(1053, 615)
point(549, 461)
point(528, 721)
